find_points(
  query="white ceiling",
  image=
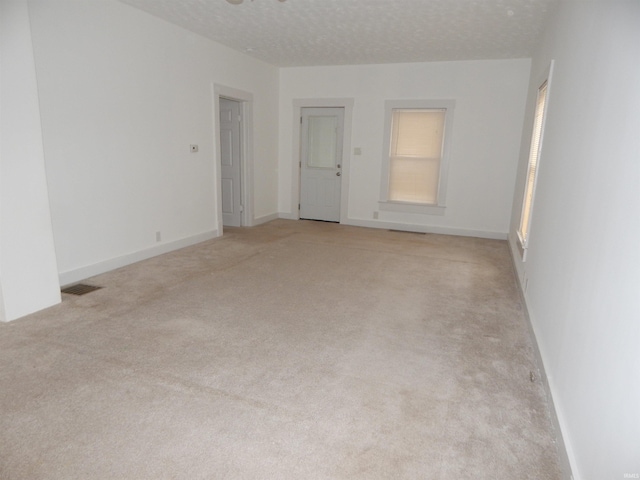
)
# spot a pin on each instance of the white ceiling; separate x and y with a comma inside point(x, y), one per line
point(343, 32)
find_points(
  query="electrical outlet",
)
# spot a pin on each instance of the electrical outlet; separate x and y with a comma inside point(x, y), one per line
point(158, 236)
point(375, 215)
point(193, 148)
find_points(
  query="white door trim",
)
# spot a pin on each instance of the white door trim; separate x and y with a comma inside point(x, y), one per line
point(298, 105)
point(246, 155)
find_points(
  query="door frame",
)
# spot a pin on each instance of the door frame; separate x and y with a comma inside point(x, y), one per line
point(246, 152)
point(298, 105)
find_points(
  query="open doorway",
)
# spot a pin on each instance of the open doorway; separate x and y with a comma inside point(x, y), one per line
point(230, 161)
point(233, 111)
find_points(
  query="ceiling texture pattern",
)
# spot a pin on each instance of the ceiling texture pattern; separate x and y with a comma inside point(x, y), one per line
point(346, 32)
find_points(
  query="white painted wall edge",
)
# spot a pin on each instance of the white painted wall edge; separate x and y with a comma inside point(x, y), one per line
point(72, 276)
point(563, 453)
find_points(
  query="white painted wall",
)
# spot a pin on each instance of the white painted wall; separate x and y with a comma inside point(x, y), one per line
point(123, 94)
point(28, 271)
point(490, 101)
point(583, 264)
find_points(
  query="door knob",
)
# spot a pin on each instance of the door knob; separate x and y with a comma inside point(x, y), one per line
point(338, 174)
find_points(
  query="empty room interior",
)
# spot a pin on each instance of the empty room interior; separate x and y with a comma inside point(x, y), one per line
point(333, 239)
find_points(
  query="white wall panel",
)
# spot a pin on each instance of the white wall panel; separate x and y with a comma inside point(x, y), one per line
point(28, 271)
point(582, 273)
point(490, 99)
point(123, 95)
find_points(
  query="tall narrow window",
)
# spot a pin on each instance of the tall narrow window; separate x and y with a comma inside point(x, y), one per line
point(416, 152)
point(532, 170)
point(415, 164)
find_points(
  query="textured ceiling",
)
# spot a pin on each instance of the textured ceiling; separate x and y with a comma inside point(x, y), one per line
point(341, 32)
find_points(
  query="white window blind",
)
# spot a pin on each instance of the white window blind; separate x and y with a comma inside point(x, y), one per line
point(532, 172)
point(415, 154)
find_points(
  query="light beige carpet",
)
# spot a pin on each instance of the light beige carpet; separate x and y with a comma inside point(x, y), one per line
point(293, 350)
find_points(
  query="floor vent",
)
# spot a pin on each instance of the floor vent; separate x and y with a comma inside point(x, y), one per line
point(80, 289)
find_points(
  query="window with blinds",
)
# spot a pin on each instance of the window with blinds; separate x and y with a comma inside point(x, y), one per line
point(532, 170)
point(415, 155)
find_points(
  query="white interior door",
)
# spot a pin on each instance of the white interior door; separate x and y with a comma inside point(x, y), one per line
point(320, 166)
point(230, 155)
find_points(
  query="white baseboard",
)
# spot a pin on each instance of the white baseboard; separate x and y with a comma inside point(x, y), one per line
point(288, 216)
point(265, 219)
point(410, 227)
point(563, 453)
point(72, 276)
point(358, 222)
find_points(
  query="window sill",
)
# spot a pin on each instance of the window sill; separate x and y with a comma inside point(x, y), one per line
point(406, 207)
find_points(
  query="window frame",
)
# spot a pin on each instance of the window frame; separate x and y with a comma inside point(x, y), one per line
point(544, 81)
point(439, 207)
